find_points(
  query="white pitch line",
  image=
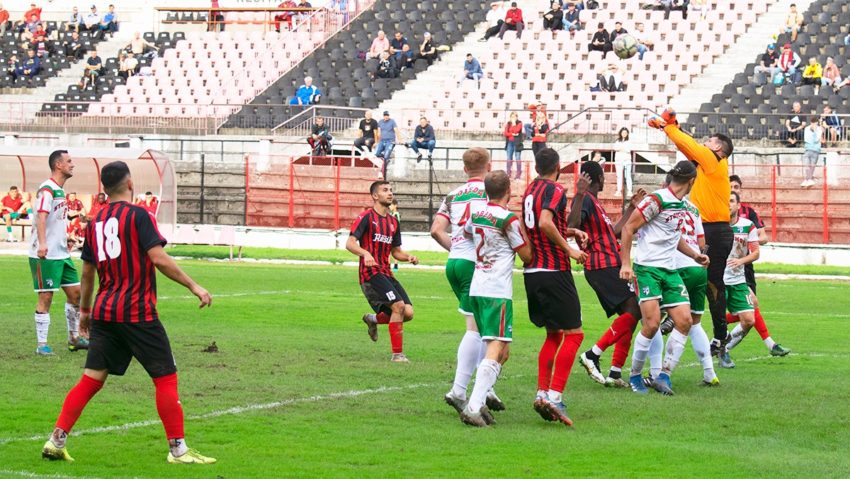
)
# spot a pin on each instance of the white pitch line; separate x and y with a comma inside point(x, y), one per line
point(35, 475)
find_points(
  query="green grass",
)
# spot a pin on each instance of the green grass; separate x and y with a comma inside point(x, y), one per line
point(428, 258)
point(287, 333)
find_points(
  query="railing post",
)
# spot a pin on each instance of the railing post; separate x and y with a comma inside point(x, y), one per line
point(291, 193)
point(203, 174)
point(773, 203)
point(825, 208)
point(247, 188)
point(336, 195)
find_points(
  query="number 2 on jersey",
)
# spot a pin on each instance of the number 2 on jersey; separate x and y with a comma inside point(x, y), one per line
point(480, 233)
point(108, 243)
point(528, 208)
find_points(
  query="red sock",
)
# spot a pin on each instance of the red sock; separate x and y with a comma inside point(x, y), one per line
point(546, 359)
point(732, 319)
point(168, 406)
point(564, 359)
point(760, 325)
point(382, 318)
point(76, 401)
point(397, 336)
point(623, 324)
point(621, 349)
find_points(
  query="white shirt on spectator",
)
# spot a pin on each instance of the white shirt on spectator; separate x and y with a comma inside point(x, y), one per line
point(93, 18)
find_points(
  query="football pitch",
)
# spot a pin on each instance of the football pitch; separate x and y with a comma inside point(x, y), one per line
point(297, 389)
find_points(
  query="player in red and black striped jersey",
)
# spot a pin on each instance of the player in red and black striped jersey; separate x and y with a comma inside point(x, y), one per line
point(602, 272)
point(553, 301)
point(123, 246)
point(748, 212)
point(375, 235)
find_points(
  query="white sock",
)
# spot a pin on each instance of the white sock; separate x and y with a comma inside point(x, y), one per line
point(42, 324)
point(72, 316)
point(555, 396)
point(596, 350)
point(482, 351)
point(488, 372)
point(178, 447)
point(467, 360)
point(639, 352)
point(675, 348)
point(699, 341)
point(736, 336)
point(656, 349)
point(769, 342)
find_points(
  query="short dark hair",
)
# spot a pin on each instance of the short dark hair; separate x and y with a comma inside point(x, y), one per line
point(682, 172)
point(496, 184)
point(601, 25)
point(727, 143)
point(13, 188)
point(546, 161)
point(594, 170)
point(377, 184)
point(148, 193)
point(735, 179)
point(737, 196)
point(54, 157)
point(112, 176)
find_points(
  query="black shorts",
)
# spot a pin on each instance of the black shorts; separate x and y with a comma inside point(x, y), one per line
point(750, 275)
point(553, 300)
point(610, 289)
point(113, 345)
point(382, 291)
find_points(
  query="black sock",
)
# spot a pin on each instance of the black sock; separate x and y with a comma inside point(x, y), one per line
point(615, 374)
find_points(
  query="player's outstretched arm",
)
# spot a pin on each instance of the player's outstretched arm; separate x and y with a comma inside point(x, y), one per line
point(86, 293)
point(166, 265)
point(547, 226)
point(402, 255)
point(686, 250)
point(639, 195)
point(439, 231)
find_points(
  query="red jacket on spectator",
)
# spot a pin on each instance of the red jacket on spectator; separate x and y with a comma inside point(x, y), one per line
point(512, 129)
point(514, 16)
point(32, 11)
point(4, 15)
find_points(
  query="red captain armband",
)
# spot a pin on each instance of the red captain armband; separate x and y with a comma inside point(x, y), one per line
point(85, 310)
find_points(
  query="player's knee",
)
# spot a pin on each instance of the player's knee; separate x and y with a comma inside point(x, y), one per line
point(408, 312)
point(747, 320)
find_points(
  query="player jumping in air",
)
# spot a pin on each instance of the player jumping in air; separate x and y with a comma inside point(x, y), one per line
point(124, 246)
point(375, 235)
point(455, 211)
point(553, 301)
point(602, 272)
point(497, 235)
point(748, 212)
point(50, 261)
point(660, 218)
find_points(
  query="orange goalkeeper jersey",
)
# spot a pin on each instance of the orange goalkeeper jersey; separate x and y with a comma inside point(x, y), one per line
point(711, 189)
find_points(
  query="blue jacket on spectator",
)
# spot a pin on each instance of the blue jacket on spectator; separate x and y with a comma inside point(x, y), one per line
point(472, 67)
point(306, 95)
point(427, 133)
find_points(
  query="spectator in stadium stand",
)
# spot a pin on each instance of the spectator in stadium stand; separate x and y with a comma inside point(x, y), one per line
point(379, 45)
point(73, 47)
point(427, 50)
point(149, 202)
point(304, 15)
point(831, 125)
point(320, 138)
point(31, 65)
point(141, 47)
point(610, 79)
point(513, 21)
point(29, 29)
point(601, 41)
point(93, 68)
point(831, 74)
point(572, 19)
point(91, 22)
point(813, 73)
point(31, 35)
point(788, 64)
point(28, 17)
point(495, 18)
point(554, 18)
point(127, 65)
point(423, 137)
point(99, 202)
point(388, 136)
point(367, 132)
point(793, 23)
point(12, 65)
point(284, 16)
point(617, 31)
point(669, 5)
point(539, 132)
point(513, 132)
point(623, 162)
point(109, 22)
point(74, 21)
point(216, 18)
point(76, 214)
point(642, 43)
point(407, 58)
point(306, 94)
point(13, 207)
point(767, 67)
point(397, 48)
point(847, 39)
point(794, 125)
point(702, 7)
point(472, 70)
point(386, 66)
point(43, 48)
point(4, 18)
point(812, 144)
